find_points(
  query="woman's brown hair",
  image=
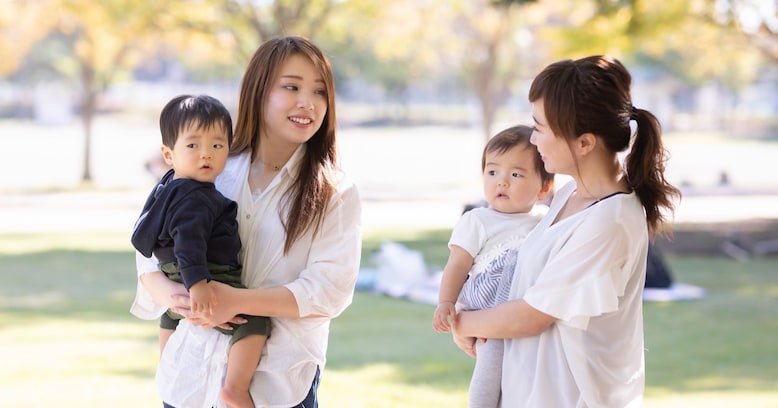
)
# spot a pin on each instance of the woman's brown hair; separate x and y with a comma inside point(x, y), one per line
point(306, 199)
point(592, 95)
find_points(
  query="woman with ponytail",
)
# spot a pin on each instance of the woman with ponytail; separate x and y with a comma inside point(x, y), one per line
point(574, 329)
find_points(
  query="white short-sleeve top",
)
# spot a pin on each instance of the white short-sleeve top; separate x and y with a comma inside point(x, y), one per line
point(588, 271)
point(486, 233)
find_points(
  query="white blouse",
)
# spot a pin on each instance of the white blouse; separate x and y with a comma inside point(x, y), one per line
point(320, 273)
point(588, 271)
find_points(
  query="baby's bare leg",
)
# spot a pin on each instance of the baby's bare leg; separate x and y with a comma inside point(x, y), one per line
point(242, 362)
point(164, 336)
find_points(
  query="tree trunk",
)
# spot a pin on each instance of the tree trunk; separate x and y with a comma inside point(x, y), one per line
point(86, 119)
point(88, 108)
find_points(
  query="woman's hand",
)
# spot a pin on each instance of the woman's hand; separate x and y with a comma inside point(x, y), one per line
point(223, 311)
point(465, 343)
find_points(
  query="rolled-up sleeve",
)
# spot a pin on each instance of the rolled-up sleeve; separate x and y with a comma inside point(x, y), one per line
point(326, 286)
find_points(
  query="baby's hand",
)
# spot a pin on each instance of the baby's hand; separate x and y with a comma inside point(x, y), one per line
point(441, 322)
point(202, 298)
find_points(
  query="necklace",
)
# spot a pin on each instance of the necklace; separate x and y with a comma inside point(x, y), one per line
point(275, 166)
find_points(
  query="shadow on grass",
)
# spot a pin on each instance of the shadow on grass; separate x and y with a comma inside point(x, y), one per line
point(382, 330)
point(725, 341)
point(75, 305)
point(90, 285)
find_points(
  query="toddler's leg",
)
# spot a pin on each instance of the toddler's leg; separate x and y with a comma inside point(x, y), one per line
point(242, 362)
point(485, 384)
point(164, 336)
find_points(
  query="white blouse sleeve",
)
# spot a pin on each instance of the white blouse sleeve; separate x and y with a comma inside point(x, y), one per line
point(143, 306)
point(326, 286)
point(585, 274)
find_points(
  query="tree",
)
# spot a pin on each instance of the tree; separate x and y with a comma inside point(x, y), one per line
point(89, 42)
point(22, 27)
point(757, 20)
point(252, 22)
point(410, 43)
point(683, 36)
point(95, 43)
point(395, 45)
point(105, 38)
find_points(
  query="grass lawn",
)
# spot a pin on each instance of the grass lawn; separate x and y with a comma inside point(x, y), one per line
point(67, 339)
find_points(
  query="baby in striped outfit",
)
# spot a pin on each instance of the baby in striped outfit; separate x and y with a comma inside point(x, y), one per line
point(486, 238)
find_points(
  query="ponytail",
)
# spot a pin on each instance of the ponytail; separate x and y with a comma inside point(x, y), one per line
point(592, 95)
point(645, 167)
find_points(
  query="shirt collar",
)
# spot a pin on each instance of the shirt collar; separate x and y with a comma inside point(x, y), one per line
point(293, 164)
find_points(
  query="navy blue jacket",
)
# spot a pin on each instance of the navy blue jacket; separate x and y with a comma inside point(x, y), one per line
point(191, 223)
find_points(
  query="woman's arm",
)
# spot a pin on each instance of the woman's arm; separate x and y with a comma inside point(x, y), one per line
point(512, 319)
point(154, 293)
point(323, 288)
point(165, 292)
point(276, 302)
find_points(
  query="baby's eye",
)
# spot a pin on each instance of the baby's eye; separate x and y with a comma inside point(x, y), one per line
point(490, 172)
point(191, 146)
point(218, 146)
point(515, 174)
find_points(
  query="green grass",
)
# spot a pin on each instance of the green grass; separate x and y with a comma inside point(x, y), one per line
point(67, 339)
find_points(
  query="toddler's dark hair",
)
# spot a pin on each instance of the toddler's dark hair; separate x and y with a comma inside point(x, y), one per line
point(516, 136)
point(202, 111)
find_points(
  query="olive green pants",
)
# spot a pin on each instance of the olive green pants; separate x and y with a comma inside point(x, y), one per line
point(225, 274)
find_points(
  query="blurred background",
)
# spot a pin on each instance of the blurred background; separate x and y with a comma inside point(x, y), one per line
point(421, 85)
point(73, 70)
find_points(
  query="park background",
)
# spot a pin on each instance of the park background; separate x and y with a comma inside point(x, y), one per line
point(420, 87)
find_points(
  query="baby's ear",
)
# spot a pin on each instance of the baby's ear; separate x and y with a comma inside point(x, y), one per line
point(546, 189)
point(167, 154)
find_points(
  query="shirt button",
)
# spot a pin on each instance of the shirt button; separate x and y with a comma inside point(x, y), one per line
point(248, 216)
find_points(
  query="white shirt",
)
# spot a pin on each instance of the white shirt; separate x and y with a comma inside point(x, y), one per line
point(320, 273)
point(587, 271)
point(486, 233)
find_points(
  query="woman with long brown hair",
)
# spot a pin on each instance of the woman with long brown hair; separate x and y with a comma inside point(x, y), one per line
point(299, 222)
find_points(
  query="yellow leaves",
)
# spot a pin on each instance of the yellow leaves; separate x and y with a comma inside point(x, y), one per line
point(22, 25)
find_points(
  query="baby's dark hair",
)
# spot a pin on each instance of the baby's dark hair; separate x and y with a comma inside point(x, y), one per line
point(516, 136)
point(202, 111)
